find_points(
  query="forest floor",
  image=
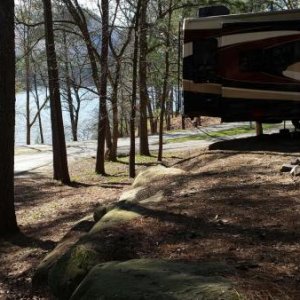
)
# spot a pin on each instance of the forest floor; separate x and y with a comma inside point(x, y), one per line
point(233, 205)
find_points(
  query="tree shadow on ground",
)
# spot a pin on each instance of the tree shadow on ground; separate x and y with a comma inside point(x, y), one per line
point(145, 164)
point(34, 189)
point(76, 184)
point(193, 223)
point(114, 185)
point(22, 240)
point(271, 143)
point(243, 241)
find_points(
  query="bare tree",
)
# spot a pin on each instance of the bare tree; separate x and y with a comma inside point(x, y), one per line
point(134, 89)
point(118, 56)
point(8, 223)
point(60, 163)
point(100, 169)
point(79, 17)
point(144, 99)
point(165, 82)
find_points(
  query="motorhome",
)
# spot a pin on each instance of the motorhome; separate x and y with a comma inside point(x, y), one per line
point(242, 67)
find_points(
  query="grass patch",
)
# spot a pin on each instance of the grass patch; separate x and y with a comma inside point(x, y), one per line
point(219, 134)
point(83, 170)
point(25, 150)
point(139, 159)
point(216, 134)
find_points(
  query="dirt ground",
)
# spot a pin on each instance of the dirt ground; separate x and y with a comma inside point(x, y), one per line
point(234, 205)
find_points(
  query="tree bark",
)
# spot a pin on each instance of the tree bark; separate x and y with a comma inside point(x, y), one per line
point(37, 102)
point(153, 121)
point(68, 89)
point(144, 98)
point(165, 85)
point(27, 86)
point(60, 163)
point(102, 127)
point(133, 99)
point(115, 111)
point(8, 223)
point(109, 144)
point(168, 114)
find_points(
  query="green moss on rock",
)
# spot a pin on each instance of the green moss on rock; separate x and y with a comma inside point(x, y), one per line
point(76, 232)
point(156, 279)
point(90, 250)
point(70, 269)
point(114, 217)
point(156, 173)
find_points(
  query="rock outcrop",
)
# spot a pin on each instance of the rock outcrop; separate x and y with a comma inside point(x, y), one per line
point(101, 265)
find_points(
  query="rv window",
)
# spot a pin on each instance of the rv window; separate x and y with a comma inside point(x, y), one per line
point(273, 60)
point(205, 60)
point(280, 57)
point(251, 61)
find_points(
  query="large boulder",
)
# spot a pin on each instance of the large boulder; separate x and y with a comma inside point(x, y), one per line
point(156, 174)
point(118, 215)
point(90, 250)
point(71, 268)
point(152, 183)
point(156, 279)
point(73, 259)
point(77, 231)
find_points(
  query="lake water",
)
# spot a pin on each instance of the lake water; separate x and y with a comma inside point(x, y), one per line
point(87, 116)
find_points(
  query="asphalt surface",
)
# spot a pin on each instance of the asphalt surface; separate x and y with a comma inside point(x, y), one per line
point(31, 158)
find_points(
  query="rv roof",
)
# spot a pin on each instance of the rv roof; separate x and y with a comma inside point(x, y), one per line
point(214, 22)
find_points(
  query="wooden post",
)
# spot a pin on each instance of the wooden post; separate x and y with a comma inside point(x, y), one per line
point(182, 122)
point(259, 129)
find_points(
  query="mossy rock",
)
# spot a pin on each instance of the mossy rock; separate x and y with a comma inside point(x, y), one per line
point(156, 279)
point(156, 198)
point(70, 269)
point(157, 173)
point(102, 210)
point(114, 217)
point(80, 229)
point(89, 251)
point(132, 195)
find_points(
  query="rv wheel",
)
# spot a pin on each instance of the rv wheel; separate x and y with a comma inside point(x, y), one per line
point(296, 123)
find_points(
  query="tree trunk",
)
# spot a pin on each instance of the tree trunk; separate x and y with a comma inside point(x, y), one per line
point(8, 223)
point(102, 127)
point(133, 99)
point(153, 122)
point(79, 17)
point(109, 144)
point(126, 126)
point(27, 86)
point(115, 111)
point(60, 163)
point(68, 89)
point(178, 104)
point(168, 115)
point(165, 85)
point(37, 101)
point(77, 109)
point(144, 98)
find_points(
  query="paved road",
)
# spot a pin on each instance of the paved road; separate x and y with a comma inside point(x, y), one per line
point(30, 158)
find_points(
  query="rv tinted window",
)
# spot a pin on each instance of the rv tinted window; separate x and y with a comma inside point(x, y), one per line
point(251, 61)
point(205, 60)
point(280, 57)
